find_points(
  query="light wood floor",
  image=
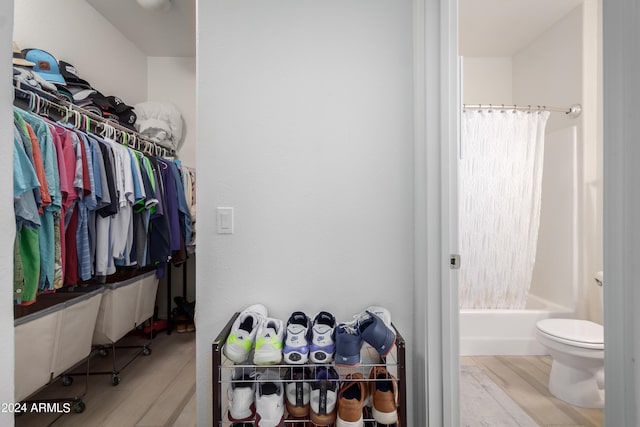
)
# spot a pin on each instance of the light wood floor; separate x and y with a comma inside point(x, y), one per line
point(155, 390)
point(159, 389)
point(525, 379)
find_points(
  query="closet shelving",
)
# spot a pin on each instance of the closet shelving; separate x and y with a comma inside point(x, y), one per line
point(45, 103)
point(223, 373)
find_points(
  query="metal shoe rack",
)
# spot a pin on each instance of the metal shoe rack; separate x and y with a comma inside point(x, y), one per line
point(223, 370)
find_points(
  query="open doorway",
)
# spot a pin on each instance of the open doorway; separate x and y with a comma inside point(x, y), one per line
point(532, 54)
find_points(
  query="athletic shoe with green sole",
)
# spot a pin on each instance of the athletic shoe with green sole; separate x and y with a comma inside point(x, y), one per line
point(243, 333)
point(268, 348)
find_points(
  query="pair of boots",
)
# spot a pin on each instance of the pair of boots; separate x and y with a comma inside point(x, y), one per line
point(183, 315)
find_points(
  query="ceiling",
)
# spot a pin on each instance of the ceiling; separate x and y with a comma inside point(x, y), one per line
point(487, 27)
point(156, 33)
point(500, 28)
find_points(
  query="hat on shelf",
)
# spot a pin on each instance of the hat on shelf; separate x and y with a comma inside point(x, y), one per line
point(64, 92)
point(110, 116)
point(70, 75)
point(100, 100)
point(92, 108)
point(80, 93)
point(118, 105)
point(128, 119)
point(45, 65)
point(18, 57)
point(126, 116)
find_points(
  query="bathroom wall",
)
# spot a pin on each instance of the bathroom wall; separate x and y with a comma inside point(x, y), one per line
point(487, 80)
point(550, 71)
point(557, 258)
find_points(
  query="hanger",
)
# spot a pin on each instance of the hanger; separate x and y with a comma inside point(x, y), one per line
point(65, 109)
point(77, 120)
point(125, 137)
point(32, 102)
point(146, 149)
point(46, 108)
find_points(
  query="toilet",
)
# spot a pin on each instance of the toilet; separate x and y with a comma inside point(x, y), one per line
point(577, 349)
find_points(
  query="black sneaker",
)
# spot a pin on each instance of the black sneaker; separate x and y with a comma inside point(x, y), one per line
point(297, 391)
point(324, 396)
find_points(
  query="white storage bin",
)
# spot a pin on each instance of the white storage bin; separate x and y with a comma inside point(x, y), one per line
point(51, 341)
point(124, 306)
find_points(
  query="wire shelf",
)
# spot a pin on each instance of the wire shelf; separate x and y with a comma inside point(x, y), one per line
point(233, 373)
point(226, 373)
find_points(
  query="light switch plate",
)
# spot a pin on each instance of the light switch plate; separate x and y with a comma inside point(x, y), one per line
point(224, 218)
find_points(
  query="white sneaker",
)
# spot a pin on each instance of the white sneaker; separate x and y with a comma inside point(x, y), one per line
point(241, 393)
point(243, 333)
point(296, 344)
point(322, 342)
point(269, 400)
point(381, 312)
point(269, 341)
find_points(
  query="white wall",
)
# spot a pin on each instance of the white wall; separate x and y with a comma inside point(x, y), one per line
point(555, 270)
point(593, 185)
point(7, 221)
point(173, 79)
point(73, 31)
point(487, 80)
point(305, 128)
point(550, 72)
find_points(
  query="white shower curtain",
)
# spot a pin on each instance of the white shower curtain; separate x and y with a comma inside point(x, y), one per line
point(500, 194)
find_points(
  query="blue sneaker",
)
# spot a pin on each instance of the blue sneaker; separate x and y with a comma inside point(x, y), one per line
point(322, 342)
point(348, 344)
point(296, 343)
point(376, 330)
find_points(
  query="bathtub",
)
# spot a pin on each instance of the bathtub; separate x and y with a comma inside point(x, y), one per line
point(506, 332)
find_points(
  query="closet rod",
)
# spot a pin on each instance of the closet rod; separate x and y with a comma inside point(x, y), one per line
point(65, 106)
point(573, 111)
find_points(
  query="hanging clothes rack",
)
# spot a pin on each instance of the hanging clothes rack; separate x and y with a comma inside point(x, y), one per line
point(572, 111)
point(42, 103)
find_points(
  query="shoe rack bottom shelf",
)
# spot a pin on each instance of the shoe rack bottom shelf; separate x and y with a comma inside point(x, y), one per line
point(226, 373)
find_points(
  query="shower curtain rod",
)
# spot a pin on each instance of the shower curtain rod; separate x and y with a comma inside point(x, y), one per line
point(573, 111)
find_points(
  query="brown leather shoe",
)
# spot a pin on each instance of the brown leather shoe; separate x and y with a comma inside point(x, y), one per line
point(383, 389)
point(351, 399)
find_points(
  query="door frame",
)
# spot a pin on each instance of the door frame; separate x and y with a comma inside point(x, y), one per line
point(437, 73)
point(436, 131)
point(621, 200)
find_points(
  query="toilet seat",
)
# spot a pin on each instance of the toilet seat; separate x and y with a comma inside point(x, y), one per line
point(577, 333)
